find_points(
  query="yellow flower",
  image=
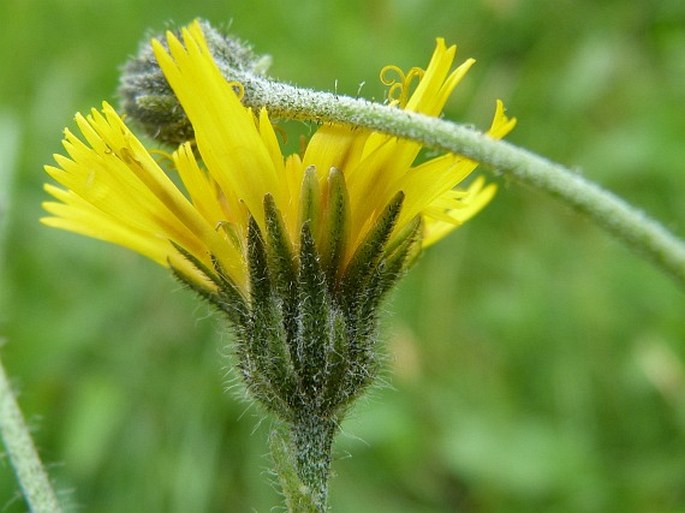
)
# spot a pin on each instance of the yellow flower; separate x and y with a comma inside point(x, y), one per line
point(113, 188)
point(297, 251)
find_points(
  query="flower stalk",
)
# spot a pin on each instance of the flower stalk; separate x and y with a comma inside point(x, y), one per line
point(625, 222)
point(303, 482)
point(628, 224)
point(31, 475)
point(312, 438)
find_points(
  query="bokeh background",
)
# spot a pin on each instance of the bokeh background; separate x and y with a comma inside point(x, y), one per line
point(534, 364)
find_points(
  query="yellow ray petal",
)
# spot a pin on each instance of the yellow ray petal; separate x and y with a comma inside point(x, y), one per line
point(334, 146)
point(478, 197)
point(227, 137)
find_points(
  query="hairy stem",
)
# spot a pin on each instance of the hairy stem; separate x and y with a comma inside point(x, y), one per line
point(625, 222)
point(22, 452)
point(302, 457)
point(151, 103)
point(313, 439)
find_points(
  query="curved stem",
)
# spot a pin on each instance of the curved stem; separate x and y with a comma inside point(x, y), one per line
point(622, 220)
point(22, 452)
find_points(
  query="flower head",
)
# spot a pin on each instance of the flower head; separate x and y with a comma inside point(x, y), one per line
point(298, 250)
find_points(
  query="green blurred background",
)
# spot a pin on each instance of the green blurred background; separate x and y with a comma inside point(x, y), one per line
point(534, 364)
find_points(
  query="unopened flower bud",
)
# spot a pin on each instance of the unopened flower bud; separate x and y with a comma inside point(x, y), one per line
point(147, 98)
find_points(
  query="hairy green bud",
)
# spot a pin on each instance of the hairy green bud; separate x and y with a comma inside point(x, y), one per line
point(147, 98)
